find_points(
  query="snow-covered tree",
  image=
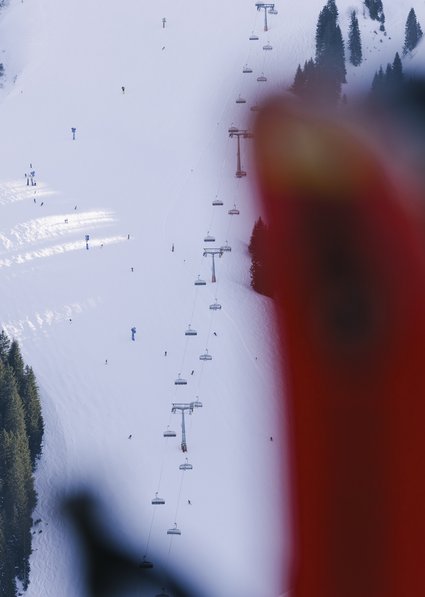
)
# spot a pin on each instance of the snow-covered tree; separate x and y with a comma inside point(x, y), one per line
point(330, 53)
point(413, 32)
point(354, 41)
point(376, 11)
point(260, 264)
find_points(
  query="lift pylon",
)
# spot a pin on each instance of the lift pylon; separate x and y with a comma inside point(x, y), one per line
point(213, 252)
point(267, 7)
point(183, 407)
point(244, 134)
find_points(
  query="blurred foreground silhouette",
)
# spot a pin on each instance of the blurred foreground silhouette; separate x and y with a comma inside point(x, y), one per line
point(347, 240)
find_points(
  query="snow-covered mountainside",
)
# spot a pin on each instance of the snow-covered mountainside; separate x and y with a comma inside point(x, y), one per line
point(139, 179)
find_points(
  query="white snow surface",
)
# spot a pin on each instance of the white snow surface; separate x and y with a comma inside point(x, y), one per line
point(148, 163)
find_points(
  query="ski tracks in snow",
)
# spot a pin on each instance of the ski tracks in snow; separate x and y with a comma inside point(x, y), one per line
point(32, 239)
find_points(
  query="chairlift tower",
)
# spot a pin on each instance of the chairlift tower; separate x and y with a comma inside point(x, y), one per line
point(183, 407)
point(213, 252)
point(244, 134)
point(260, 6)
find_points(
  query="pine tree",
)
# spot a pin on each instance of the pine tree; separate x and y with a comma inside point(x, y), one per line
point(413, 32)
point(32, 412)
point(20, 424)
point(330, 54)
point(397, 70)
point(378, 84)
point(298, 86)
point(257, 236)
point(18, 499)
point(4, 346)
point(384, 84)
point(15, 360)
point(376, 11)
point(260, 262)
point(354, 41)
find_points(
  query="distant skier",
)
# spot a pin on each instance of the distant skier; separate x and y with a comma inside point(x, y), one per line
point(41, 204)
point(164, 21)
point(165, 353)
point(106, 361)
point(215, 333)
point(128, 237)
point(189, 502)
point(172, 248)
point(123, 89)
point(130, 436)
point(271, 438)
point(193, 371)
point(35, 201)
point(133, 333)
point(75, 208)
point(132, 269)
point(73, 131)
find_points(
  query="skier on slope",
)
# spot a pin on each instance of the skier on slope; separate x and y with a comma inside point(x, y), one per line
point(133, 333)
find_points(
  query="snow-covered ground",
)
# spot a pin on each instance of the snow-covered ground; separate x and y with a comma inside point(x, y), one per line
point(141, 176)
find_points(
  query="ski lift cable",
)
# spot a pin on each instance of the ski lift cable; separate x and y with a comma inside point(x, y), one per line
point(150, 532)
point(179, 495)
point(203, 155)
point(175, 518)
point(220, 178)
point(194, 302)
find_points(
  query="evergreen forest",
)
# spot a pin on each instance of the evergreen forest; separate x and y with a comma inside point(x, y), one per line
point(21, 434)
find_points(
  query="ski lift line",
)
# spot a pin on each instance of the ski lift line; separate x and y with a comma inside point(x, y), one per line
point(220, 180)
point(203, 155)
point(150, 532)
point(194, 303)
point(185, 350)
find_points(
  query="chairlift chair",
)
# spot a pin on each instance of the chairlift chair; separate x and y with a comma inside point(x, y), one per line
point(197, 403)
point(273, 11)
point(247, 69)
point(268, 46)
point(174, 530)
point(199, 282)
point(206, 356)
point(145, 564)
point(215, 306)
point(253, 37)
point(255, 108)
point(186, 466)
point(262, 78)
point(217, 202)
point(180, 382)
point(233, 129)
point(157, 501)
point(234, 211)
point(169, 433)
point(241, 100)
point(240, 174)
point(226, 247)
point(190, 332)
point(209, 238)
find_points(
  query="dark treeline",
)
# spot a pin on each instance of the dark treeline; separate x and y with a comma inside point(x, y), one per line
point(21, 433)
point(260, 263)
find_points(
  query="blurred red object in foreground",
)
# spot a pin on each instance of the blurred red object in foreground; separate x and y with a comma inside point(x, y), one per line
point(349, 272)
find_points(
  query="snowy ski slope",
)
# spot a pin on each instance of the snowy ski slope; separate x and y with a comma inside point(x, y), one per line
point(148, 164)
